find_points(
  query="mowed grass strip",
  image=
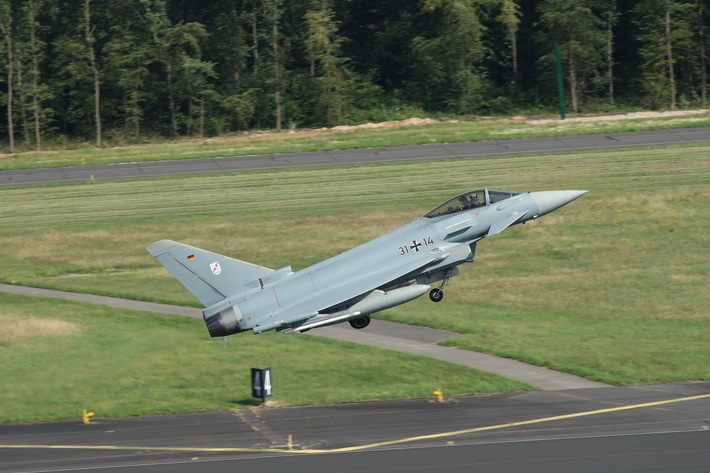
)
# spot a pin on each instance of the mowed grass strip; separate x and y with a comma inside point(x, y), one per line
point(59, 357)
point(612, 287)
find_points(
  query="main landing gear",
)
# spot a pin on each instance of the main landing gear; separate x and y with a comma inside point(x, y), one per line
point(360, 322)
point(437, 294)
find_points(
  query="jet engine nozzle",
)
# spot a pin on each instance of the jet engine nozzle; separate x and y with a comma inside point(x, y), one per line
point(225, 322)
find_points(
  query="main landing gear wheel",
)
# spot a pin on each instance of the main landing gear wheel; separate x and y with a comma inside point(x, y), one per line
point(437, 294)
point(360, 322)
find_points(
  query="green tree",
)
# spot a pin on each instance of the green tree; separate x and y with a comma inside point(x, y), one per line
point(38, 89)
point(510, 17)
point(193, 73)
point(128, 56)
point(702, 48)
point(610, 12)
point(71, 83)
point(91, 49)
point(169, 41)
point(581, 35)
point(237, 91)
point(666, 37)
point(452, 56)
point(273, 11)
point(6, 26)
point(327, 65)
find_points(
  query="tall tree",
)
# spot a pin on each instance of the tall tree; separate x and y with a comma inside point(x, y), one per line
point(6, 31)
point(611, 15)
point(510, 17)
point(38, 89)
point(581, 34)
point(324, 47)
point(665, 33)
point(128, 56)
point(452, 56)
point(90, 46)
point(273, 11)
point(163, 40)
point(229, 49)
point(702, 50)
point(193, 72)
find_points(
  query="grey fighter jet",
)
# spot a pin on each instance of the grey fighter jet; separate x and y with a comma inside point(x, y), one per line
point(385, 272)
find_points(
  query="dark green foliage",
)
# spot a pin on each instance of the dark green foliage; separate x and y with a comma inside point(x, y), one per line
point(181, 68)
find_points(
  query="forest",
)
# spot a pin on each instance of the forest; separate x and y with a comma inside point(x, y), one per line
point(107, 71)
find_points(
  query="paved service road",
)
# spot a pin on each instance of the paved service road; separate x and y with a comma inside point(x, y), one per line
point(544, 145)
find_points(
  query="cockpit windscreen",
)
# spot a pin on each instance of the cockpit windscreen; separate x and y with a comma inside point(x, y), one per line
point(470, 200)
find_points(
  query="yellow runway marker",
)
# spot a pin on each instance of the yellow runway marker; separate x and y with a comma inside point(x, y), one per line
point(368, 446)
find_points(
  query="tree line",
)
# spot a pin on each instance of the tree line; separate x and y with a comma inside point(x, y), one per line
point(130, 70)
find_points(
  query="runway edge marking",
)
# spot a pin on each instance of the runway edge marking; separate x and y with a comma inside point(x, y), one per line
point(363, 447)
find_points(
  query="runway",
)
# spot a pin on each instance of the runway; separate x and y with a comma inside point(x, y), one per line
point(642, 428)
point(466, 150)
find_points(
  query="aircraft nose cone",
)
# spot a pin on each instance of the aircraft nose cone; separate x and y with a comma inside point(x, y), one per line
point(547, 201)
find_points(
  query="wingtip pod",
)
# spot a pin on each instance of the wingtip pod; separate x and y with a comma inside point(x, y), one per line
point(548, 201)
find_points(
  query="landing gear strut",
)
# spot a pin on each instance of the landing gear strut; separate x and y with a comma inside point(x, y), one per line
point(437, 294)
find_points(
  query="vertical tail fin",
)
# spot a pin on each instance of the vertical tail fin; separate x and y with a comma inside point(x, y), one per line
point(210, 277)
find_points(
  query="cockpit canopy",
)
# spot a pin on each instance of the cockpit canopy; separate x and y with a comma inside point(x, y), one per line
point(470, 200)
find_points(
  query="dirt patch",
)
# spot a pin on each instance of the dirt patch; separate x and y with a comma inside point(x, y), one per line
point(13, 327)
point(411, 122)
point(622, 116)
point(391, 124)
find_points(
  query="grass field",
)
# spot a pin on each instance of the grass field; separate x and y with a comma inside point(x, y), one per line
point(613, 287)
point(59, 357)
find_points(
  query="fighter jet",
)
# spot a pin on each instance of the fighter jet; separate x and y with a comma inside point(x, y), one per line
point(382, 273)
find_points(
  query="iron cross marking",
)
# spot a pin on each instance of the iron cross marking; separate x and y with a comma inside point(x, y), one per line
point(415, 245)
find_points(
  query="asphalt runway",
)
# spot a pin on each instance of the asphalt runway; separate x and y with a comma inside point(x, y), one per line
point(467, 150)
point(662, 428)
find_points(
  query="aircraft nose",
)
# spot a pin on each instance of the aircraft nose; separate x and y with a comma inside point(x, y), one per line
point(547, 201)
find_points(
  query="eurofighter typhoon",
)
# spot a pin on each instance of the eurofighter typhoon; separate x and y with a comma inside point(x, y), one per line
point(382, 273)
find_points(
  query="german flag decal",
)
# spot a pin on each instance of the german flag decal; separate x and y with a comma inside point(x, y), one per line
point(191, 257)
